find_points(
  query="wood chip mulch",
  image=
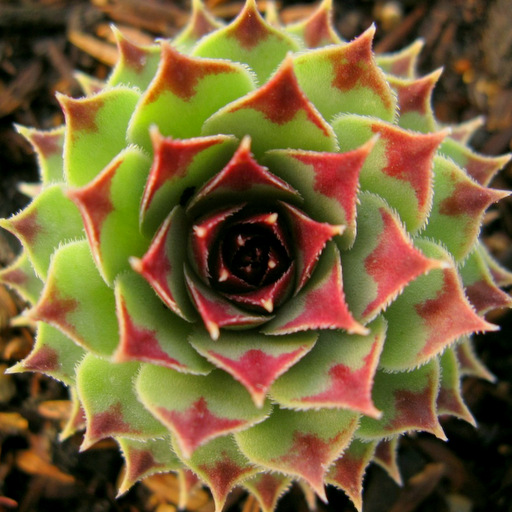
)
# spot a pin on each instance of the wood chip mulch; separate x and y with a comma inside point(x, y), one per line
point(42, 42)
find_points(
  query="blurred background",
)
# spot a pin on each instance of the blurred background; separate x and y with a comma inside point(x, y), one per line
point(42, 42)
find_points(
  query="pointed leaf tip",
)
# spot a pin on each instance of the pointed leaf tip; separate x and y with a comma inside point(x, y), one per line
point(279, 114)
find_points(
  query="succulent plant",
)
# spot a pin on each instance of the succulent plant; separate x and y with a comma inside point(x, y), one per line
point(253, 256)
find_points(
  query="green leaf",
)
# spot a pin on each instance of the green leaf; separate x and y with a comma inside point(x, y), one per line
point(136, 65)
point(145, 458)
point(200, 23)
point(468, 362)
point(401, 63)
point(162, 264)
point(480, 167)
point(71, 299)
point(21, 277)
point(337, 374)
point(382, 262)
point(242, 175)
point(299, 443)
point(200, 408)
point(110, 210)
point(76, 420)
point(220, 465)
point(53, 354)
point(458, 207)
point(248, 39)
point(49, 220)
point(344, 78)
point(399, 168)
point(149, 332)
point(347, 472)
point(111, 406)
point(267, 488)
point(479, 285)
point(179, 98)
point(277, 115)
point(180, 166)
point(430, 314)
point(48, 146)
point(450, 400)
point(95, 131)
point(317, 29)
point(254, 359)
point(328, 183)
point(307, 310)
point(415, 102)
point(386, 456)
point(408, 403)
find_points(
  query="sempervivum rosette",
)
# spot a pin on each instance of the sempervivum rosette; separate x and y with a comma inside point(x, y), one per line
point(254, 256)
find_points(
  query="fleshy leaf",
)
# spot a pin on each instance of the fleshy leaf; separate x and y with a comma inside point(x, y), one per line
point(345, 78)
point(469, 364)
point(450, 400)
point(53, 354)
point(317, 29)
point(200, 23)
point(90, 84)
point(253, 359)
point(463, 132)
point(217, 312)
point(458, 208)
point(307, 309)
point(49, 146)
point(203, 235)
point(145, 458)
point(408, 403)
point(197, 410)
point(310, 238)
point(399, 168)
point(95, 131)
point(430, 315)
point(277, 115)
point(151, 333)
point(300, 443)
point(110, 403)
point(386, 455)
point(182, 86)
point(328, 182)
point(179, 166)
point(136, 65)
point(267, 488)
point(347, 472)
point(109, 206)
point(188, 483)
point(268, 297)
point(50, 219)
point(242, 176)
point(479, 285)
point(481, 168)
point(251, 40)
point(162, 265)
point(382, 261)
point(70, 299)
point(337, 373)
point(21, 277)
point(403, 62)
point(500, 275)
point(220, 465)
point(76, 420)
point(415, 102)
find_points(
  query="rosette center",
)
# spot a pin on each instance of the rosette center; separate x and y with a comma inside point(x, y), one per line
point(250, 251)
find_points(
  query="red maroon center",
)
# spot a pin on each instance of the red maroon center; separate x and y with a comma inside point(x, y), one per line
point(248, 255)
